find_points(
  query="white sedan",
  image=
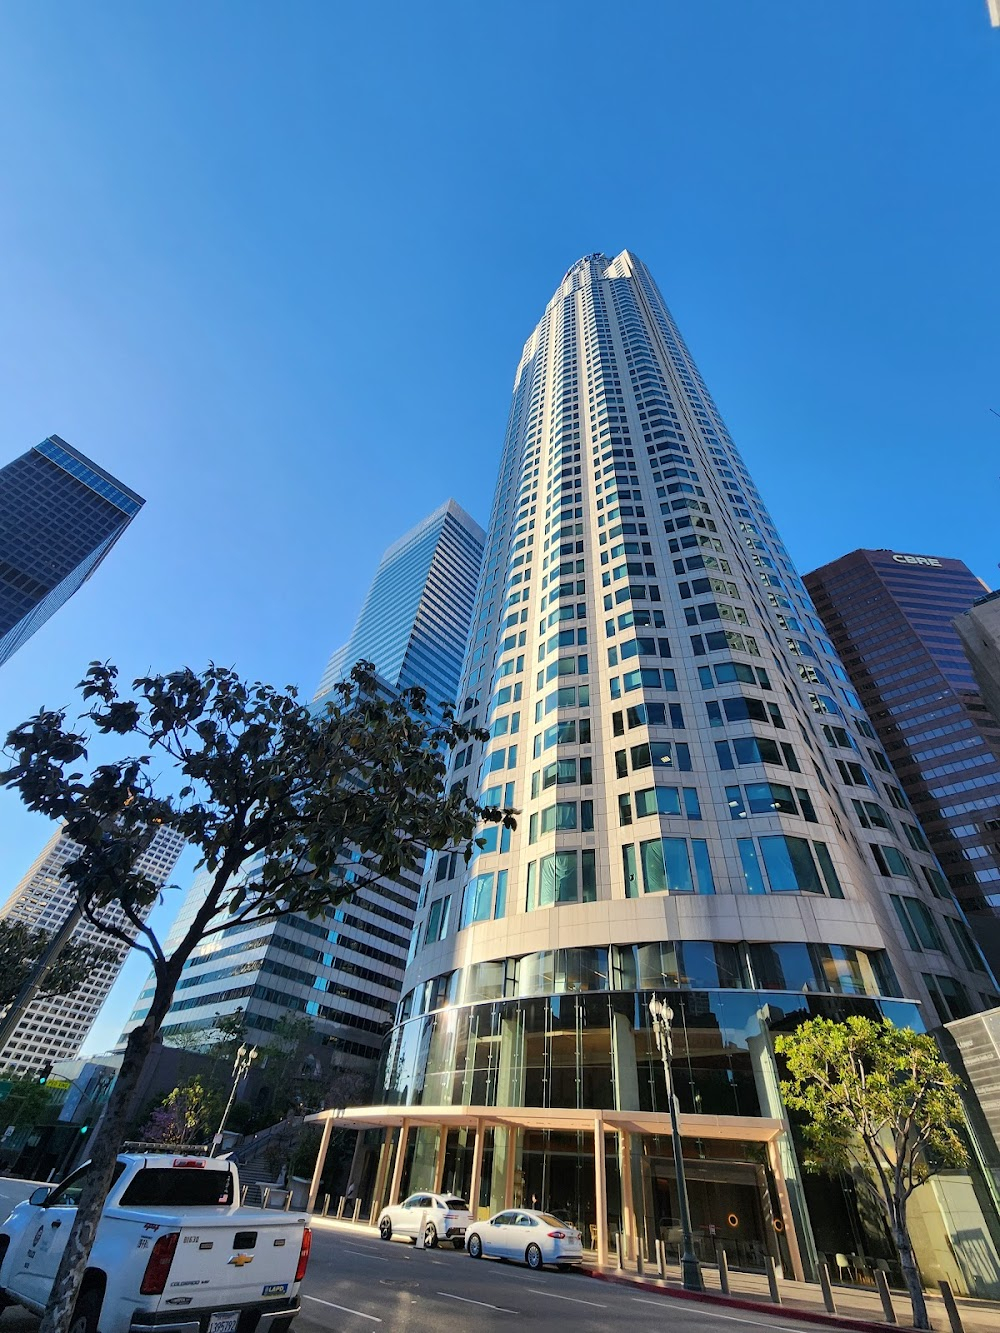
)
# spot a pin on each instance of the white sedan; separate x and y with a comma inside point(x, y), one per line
point(527, 1236)
point(440, 1216)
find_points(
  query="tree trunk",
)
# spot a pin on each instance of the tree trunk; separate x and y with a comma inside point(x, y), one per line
point(908, 1263)
point(104, 1152)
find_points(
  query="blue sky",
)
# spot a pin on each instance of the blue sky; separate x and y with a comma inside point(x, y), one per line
point(273, 266)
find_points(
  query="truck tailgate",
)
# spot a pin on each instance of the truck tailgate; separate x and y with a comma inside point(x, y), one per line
point(250, 1255)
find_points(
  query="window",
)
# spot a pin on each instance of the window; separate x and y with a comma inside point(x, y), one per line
point(789, 864)
point(890, 861)
point(666, 867)
point(918, 923)
point(159, 1187)
point(765, 798)
point(560, 816)
point(478, 902)
point(657, 800)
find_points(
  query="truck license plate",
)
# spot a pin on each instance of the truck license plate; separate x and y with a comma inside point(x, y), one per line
point(223, 1321)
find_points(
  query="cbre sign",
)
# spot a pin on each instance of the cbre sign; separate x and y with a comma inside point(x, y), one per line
point(917, 560)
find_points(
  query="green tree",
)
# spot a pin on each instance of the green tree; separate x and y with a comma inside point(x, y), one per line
point(882, 1104)
point(20, 948)
point(188, 1114)
point(24, 1102)
point(275, 797)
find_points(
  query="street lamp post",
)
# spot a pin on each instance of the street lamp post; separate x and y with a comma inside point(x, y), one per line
point(662, 1016)
point(245, 1057)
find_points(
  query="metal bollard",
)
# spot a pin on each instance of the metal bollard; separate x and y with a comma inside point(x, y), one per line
point(326, 1205)
point(619, 1249)
point(824, 1282)
point(954, 1318)
point(265, 1197)
point(357, 1210)
point(883, 1292)
point(420, 1230)
point(340, 1206)
point(661, 1264)
point(638, 1256)
point(772, 1279)
point(723, 1261)
point(373, 1217)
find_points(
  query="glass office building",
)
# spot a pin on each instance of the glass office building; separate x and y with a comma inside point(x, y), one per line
point(891, 616)
point(415, 620)
point(671, 721)
point(344, 970)
point(60, 514)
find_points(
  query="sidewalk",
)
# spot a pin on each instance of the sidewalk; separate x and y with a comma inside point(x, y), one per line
point(798, 1299)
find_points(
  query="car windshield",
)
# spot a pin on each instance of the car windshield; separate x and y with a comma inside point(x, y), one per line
point(179, 1187)
point(457, 1205)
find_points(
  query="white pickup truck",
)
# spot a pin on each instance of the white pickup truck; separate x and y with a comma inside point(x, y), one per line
point(174, 1251)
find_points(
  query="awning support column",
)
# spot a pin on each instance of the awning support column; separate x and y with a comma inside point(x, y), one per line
point(787, 1219)
point(324, 1146)
point(600, 1192)
point(397, 1166)
point(628, 1211)
point(382, 1170)
point(442, 1150)
point(508, 1178)
point(477, 1169)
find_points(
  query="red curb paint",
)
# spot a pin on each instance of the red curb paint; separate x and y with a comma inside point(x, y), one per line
point(742, 1303)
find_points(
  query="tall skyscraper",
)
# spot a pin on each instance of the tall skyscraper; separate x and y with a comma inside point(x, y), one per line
point(345, 970)
point(669, 718)
point(979, 630)
point(56, 1028)
point(60, 514)
point(415, 620)
point(891, 616)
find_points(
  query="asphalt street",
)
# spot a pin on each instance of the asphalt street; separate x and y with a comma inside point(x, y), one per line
point(357, 1283)
point(360, 1284)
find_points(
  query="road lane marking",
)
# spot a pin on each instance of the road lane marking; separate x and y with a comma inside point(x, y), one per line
point(485, 1304)
point(556, 1297)
point(346, 1308)
point(714, 1314)
point(379, 1258)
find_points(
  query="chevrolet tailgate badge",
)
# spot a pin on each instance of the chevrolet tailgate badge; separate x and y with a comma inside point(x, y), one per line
point(240, 1259)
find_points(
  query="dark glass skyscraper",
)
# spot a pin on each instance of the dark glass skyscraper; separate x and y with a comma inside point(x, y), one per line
point(414, 624)
point(60, 514)
point(890, 615)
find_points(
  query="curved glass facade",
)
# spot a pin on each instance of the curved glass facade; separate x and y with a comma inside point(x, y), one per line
point(598, 1050)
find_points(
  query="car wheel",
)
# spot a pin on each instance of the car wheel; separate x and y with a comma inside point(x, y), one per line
point(430, 1236)
point(475, 1247)
point(533, 1257)
point(385, 1229)
point(459, 1244)
point(86, 1313)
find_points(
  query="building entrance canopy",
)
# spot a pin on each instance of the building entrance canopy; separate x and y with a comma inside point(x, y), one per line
point(630, 1127)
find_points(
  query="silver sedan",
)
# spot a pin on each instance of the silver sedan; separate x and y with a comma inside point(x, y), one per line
point(527, 1236)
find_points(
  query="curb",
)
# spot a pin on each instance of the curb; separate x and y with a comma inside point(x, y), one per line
point(745, 1303)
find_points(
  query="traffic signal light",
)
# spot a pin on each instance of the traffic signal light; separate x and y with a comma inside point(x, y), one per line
point(44, 1072)
point(84, 1128)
